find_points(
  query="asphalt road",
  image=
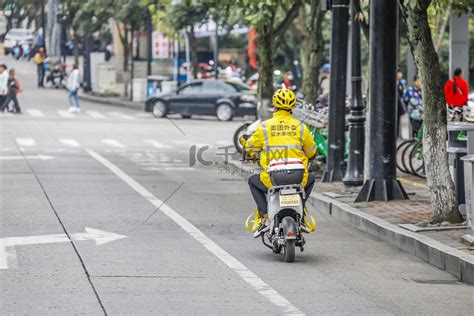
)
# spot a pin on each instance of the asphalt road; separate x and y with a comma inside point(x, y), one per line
point(115, 220)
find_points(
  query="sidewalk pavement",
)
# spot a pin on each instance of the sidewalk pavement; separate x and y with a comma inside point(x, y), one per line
point(440, 246)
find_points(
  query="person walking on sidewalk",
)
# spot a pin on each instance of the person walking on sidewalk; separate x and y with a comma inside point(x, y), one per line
point(73, 84)
point(456, 90)
point(402, 108)
point(13, 90)
point(3, 83)
point(414, 99)
point(39, 61)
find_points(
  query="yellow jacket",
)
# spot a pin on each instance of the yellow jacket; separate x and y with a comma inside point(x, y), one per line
point(281, 137)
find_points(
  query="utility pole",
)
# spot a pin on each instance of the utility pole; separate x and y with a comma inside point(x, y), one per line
point(382, 183)
point(355, 166)
point(337, 93)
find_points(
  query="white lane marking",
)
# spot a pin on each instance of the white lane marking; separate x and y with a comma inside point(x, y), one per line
point(113, 143)
point(40, 157)
point(156, 144)
point(65, 114)
point(121, 115)
point(26, 142)
point(7, 245)
point(248, 276)
point(95, 115)
point(69, 142)
point(35, 113)
point(141, 115)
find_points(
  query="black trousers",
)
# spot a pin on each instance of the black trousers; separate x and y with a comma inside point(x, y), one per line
point(416, 125)
point(40, 73)
point(11, 96)
point(259, 191)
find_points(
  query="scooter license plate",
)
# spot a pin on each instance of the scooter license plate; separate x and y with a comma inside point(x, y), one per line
point(290, 200)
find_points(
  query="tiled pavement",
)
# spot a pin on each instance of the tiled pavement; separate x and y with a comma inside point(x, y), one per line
point(412, 211)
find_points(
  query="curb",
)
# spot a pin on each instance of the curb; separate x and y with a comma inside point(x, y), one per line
point(112, 101)
point(452, 260)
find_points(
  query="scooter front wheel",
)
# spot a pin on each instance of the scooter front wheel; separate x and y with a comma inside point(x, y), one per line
point(239, 132)
point(290, 250)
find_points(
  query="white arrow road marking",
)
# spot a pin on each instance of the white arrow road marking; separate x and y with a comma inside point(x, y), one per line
point(40, 157)
point(113, 143)
point(35, 113)
point(26, 142)
point(248, 276)
point(65, 114)
point(7, 245)
point(69, 142)
point(95, 114)
point(156, 144)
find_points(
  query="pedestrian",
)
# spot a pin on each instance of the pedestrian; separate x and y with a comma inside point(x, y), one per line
point(3, 83)
point(73, 84)
point(324, 80)
point(39, 61)
point(288, 80)
point(414, 100)
point(456, 90)
point(13, 90)
point(402, 108)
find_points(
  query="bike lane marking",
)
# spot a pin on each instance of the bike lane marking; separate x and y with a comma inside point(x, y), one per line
point(247, 275)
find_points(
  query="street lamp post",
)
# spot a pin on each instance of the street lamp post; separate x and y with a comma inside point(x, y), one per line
point(355, 166)
point(381, 183)
point(337, 93)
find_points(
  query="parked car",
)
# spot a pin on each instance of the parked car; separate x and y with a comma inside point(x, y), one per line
point(224, 99)
point(16, 37)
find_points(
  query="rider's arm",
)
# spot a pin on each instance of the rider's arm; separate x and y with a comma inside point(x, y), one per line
point(309, 146)
point(255, 143)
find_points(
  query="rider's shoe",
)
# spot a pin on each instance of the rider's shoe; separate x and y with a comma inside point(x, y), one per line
point(262, 229)
point(304, 228)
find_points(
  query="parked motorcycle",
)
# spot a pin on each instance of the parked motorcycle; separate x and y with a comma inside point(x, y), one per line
point(56, 75)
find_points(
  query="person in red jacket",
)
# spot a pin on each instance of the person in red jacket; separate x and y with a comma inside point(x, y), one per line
point(456, 90)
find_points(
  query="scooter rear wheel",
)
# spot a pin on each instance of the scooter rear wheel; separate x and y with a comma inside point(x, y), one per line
point(290, 250)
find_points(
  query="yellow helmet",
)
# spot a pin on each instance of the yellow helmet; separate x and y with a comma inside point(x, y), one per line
point(284, 99)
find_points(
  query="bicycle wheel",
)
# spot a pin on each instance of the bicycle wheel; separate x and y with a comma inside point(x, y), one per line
point(406, 155)
point(399, 155)
point(417, 162)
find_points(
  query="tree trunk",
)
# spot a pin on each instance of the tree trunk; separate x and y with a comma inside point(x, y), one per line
point(126, 74)
point(265, 71)
point(193, 49)
point(313, 50)
point(443, 196)
point(291, 57)
point(76, 48)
